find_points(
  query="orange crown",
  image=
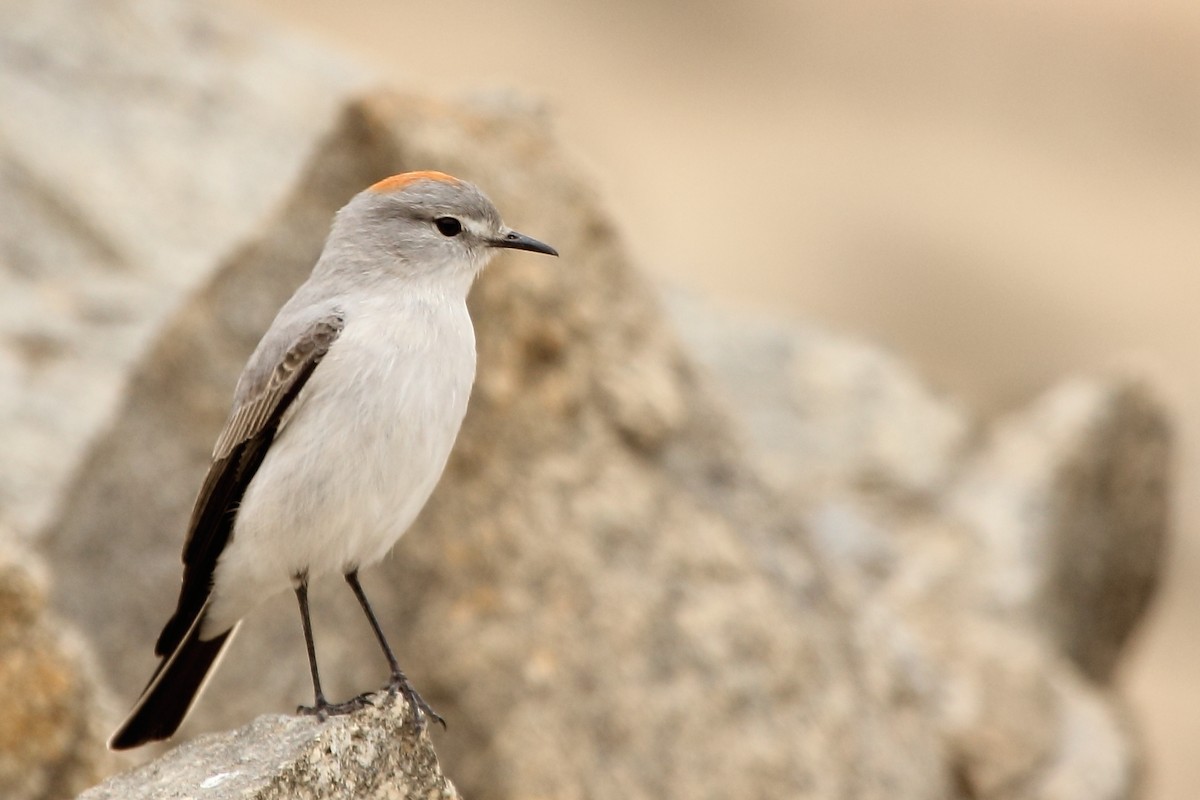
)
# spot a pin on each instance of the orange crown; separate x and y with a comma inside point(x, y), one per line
point(398, 183)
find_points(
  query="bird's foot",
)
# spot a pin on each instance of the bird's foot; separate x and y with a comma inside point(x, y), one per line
point(323, 709)
point(422, 711)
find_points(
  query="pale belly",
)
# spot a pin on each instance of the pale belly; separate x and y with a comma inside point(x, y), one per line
point(349, 471)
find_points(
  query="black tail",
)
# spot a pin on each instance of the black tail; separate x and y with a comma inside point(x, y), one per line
point(172, 690)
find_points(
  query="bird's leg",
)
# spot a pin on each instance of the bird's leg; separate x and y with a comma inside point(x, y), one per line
point(399, 681)
point(321, 707)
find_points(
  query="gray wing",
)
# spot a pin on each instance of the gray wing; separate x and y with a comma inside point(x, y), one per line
point(260, 395)
point(263, 397)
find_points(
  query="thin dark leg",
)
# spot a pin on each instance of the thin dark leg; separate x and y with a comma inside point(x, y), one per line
point(302, 598)
point(322, 708)
point(356, 587)
point(398, 680)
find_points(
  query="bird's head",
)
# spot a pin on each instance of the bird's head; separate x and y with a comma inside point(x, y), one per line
point(425, 224)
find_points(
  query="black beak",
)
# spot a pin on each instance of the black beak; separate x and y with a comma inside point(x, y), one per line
point(519, 241)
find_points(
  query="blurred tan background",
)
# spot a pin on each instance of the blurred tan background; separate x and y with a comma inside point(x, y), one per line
point(1001, 192)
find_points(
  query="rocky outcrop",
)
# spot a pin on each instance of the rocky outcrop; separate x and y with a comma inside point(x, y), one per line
point(603, 570)
point(376, 754)
point(51, 704)
point(673, 555)
point(1069, 501)
point(140, 141)
point(591, 577)
point(976, 562)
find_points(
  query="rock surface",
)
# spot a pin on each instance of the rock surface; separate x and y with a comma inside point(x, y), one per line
point(1069, 501)
point(602, 546)
point(51, 716)
point(823, 412)
point(699, 558)
point(975, 564)
point(590, 577)
point(374, 754)
point(140, 141)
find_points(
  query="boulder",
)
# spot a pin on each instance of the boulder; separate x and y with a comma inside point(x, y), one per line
point(1069, 500)
point(673, 554)
point(604, 569)
point(600, 573)
point(140, 141)
point(982, 560)
point(373, 754)
point(825, 412)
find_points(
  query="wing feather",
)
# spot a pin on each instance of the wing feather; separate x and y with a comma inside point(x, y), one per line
point(251, 415)
point(239, 451)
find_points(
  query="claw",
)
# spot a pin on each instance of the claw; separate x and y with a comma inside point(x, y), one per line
point(324, 710)
point(421, 709)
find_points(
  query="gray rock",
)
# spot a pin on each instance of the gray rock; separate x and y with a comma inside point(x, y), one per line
point(766, 563)
point(600, 573)
point(373, 754)
point(976, 565)
point(1018, 719)
point(1066, 500)
point(821, 411)
point(1069, 501)
point(140, 141)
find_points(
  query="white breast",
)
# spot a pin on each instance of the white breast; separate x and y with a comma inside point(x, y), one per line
point(361, 453)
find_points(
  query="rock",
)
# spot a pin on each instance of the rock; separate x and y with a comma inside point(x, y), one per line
point(976, 566)
point(681, 637)
point(140, 141)
point(373, 754)
point(824, 412)
point(637, 578)
point(583, 581)
point(1008, 705)
point(1068, 500)
point(51, 731)
point(1020, 724)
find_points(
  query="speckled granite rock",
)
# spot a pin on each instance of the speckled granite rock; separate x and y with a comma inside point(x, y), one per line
point(373, 754)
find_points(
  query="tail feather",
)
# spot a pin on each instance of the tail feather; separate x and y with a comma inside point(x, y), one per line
point(173, 689)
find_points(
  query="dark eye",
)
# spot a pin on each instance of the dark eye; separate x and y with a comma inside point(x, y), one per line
point(448, 226)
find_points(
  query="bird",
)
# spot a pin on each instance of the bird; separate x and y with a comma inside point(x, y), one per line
point(341, 424)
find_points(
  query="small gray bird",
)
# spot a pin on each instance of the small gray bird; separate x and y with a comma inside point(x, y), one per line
point(342, 423)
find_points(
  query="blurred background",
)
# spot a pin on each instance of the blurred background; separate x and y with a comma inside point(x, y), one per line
point(1001, 192)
